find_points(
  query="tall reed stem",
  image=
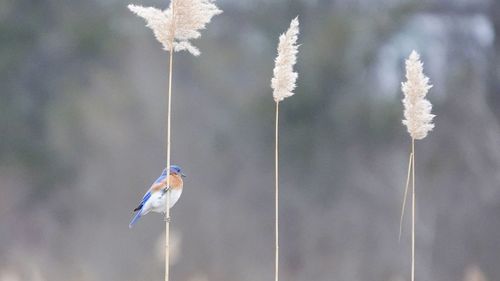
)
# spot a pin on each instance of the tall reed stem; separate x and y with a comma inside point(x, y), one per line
point(276, 180)
point(413, 211)
point(167, 212)
point(408, 175)
point(169, 118)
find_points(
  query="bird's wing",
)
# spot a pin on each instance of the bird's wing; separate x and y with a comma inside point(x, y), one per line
point(157, 185)
point(146, 197)
point(138, 215)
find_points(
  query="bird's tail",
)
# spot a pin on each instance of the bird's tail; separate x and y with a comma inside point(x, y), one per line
point(135, 219)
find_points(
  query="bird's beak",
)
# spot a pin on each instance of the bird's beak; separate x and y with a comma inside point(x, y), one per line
point(183, 175)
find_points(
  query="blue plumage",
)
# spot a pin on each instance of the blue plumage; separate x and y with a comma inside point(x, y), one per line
point(152, 200)
point(135, 219)
point(139, 209)
point(145, 198)
point(162, 176)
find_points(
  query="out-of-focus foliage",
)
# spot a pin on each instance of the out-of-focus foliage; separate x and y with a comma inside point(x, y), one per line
point(45, 56)
point(82, 111)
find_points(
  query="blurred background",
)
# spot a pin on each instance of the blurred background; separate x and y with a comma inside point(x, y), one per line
point(82, 136)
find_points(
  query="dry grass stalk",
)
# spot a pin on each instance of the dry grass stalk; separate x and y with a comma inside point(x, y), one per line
point(404, 196)
point(418, 120)
point(283, 84)
point(174, 28)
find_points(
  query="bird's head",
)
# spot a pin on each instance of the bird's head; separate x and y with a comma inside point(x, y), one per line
point(176, 170)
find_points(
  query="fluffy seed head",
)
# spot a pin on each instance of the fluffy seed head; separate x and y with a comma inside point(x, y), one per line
point(175, 30)
point(417, 109)
point(283, 82)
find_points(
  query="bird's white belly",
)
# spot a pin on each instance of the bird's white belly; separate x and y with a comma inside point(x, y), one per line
point(159, 200)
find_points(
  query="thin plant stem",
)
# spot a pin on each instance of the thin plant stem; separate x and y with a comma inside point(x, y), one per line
point(404, 197)
point(167, 212)
point(276, 180)
point(413, 211)
point(169, 120)
point(167, 237)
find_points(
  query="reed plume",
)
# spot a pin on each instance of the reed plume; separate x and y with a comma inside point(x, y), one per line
point(417, 109)
point(418, 121)
point(174, 28)
point(179, 23)
point(283, 84)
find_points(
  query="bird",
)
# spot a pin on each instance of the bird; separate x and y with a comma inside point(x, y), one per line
point(155, 198)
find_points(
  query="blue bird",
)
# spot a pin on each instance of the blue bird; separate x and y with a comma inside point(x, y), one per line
point(155, 199)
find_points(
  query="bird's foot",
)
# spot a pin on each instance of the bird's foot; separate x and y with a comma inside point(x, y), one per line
point(169, 220)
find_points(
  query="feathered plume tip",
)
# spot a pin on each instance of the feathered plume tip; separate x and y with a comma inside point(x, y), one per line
point(417, 110)
point(283, 82)
point(190, 17)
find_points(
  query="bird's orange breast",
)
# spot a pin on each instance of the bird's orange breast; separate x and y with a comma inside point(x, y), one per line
point(175, 182)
